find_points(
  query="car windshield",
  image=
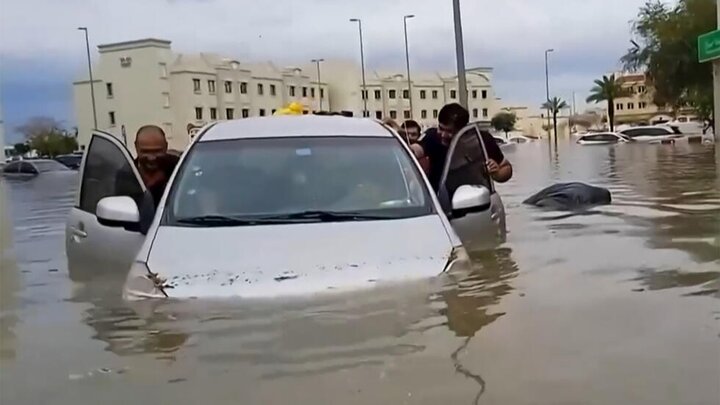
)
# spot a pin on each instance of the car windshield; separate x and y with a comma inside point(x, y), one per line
point(279, 180)
point(49, 166)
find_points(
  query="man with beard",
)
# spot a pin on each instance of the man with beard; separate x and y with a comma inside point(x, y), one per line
point(154, 163)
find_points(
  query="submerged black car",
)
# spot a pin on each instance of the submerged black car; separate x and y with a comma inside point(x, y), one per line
point(70, 161)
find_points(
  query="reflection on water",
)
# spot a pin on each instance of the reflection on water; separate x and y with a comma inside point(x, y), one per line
point(616, 303)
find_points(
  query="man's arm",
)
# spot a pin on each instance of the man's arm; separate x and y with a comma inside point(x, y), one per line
point(499, 168)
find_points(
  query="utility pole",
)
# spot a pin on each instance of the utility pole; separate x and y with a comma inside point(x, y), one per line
point(317, 63)
point(365, 94)
point(92, 82)
point(407, 62)
point(547, 88)
point(460, 54)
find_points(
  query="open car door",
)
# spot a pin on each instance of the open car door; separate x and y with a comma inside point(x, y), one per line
point(467, 192)
point(107, 170)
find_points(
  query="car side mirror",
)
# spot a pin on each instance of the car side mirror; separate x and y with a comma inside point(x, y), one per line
point(119, 212)
point(468, 199)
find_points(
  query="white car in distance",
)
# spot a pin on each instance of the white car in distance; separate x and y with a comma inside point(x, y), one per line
point(652, 134)
point(285, 205)
point(602, 138)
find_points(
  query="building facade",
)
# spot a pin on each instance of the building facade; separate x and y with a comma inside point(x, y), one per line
point(144, 82)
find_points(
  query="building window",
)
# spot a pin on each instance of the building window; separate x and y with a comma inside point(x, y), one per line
point(406, 114)
point(393, 114)
point(435, 113)
point(166, 100)
point(474, 94)
point(642, 105)
point(245, 112)
point(619, 106)
point(631, 106)
point(406, 94)
point(198, 113)
point(304, 91)
point(211, 86)
point(641, 89)
point(423, 94)
point(378, 95)
point(111, 118)
point(392, 94)
point(423, 114)
point(273, 111)
point(364, 94)
point(196, 86)
point(261, 89)
point(378, 114)
point(485, 112)
point(273, 90)
point(213, 113)
point(163, 71)
point(306, 112)
point(228, 87)
point(453, 94)
point(292, 91)
point(312, 92)
point(229, 113)
point(366, 114)
point(243, 87)
point(475, 112)
point(434, 94)
point(261, 112)
point(108, 87)
point(322, 92)
point(484, 94)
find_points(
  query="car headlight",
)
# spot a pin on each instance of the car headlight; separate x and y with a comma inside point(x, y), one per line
point(459, 260)
point(141, 283)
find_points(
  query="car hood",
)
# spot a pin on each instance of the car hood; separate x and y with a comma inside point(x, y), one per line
point(297, 259)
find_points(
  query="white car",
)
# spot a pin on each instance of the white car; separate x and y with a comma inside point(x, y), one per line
point(602, 138)
point(522, 139)
point(282, 205)
point(652, 134)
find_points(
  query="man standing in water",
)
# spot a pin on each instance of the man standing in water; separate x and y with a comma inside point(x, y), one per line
point(153, 161)
point(453, 118)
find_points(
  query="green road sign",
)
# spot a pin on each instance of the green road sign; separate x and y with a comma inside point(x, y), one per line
point(709, 46)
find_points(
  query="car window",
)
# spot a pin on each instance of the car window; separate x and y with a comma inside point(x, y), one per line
point(107, 173)
point(12, 168)
point(27, 168)
point(601, 137)
point(635, 132)
point(467, 164)
point(251, 178)
point(49, 166)
point(519, 140)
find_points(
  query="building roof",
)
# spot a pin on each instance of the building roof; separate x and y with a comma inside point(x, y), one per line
point(294, 126)
point(138, 43)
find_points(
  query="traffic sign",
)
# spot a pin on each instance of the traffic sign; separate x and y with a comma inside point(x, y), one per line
point(709, 46)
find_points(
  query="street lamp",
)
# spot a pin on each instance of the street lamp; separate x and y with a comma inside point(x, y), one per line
point(92, 82)
point(460, 54)
point(547, 88)
point(407, 61)
point(317, 63)
point(362, 67)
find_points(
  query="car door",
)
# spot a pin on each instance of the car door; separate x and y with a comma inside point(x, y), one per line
point(466, 165)
point(106, 171)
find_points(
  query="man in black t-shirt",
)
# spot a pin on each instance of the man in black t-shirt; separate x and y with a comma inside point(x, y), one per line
point(453, 118)
point(153, 161)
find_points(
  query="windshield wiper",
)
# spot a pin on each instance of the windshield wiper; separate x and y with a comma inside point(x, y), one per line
point(327, 216)
point(221, 220)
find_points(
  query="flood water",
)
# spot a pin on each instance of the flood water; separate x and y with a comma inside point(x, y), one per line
point(616, 305)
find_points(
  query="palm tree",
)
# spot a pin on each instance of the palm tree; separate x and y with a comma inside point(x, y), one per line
point(554, 106)
point(607, 89)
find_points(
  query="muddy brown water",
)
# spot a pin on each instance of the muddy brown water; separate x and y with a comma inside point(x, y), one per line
point(617, 305)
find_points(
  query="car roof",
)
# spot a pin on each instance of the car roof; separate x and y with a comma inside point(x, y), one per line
point(661, 126)
point(295, 126)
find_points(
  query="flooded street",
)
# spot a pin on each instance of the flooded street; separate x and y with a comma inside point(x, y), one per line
point(615, 305)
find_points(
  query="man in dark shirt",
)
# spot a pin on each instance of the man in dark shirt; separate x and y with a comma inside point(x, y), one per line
point(154, 163)
point(451, 119)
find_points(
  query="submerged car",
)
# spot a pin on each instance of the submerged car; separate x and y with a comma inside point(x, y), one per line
point(72, 161)
point(602, 138)
point(653, 134)
point(31, 168)
point(283, 206)
point(522, 139)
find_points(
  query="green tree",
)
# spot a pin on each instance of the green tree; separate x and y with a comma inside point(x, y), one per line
point(607, 89)
point(555, 105)
point(504, 121)
point(20, 149)
point(665, 47)
point(47, 137)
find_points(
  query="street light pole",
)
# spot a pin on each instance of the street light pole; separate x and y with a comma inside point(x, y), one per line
point(460, 54)
point(407, 62)
point(547, 88)
point(92, 82)
point(365, 94)
point(317, 63)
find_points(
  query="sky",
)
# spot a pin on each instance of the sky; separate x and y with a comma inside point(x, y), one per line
point(42, 52)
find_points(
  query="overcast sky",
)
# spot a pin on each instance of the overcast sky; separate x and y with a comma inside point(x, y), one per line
point(41, 51)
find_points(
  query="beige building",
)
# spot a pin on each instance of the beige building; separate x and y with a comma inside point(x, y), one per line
point(638, 107)
point(144, 82)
